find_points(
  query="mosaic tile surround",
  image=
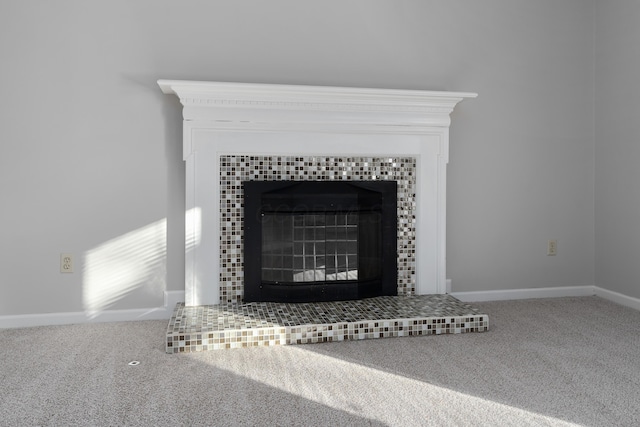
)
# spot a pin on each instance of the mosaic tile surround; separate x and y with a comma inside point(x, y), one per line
point(229, 325)
point(237, 168)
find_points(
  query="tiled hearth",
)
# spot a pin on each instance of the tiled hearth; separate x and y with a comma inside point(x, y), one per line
point(232, 325)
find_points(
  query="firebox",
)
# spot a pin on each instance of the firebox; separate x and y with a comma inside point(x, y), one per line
point(310, 241)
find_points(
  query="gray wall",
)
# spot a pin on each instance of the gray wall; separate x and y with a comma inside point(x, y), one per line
point(617, 134)
point(90, 155)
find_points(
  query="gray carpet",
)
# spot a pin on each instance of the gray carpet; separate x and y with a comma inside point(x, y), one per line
point(566, 361)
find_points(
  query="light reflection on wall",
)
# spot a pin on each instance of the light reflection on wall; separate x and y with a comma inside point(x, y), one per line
point(193, 221)
point(135, 261)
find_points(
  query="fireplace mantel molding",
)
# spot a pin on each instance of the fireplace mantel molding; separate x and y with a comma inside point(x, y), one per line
point(240, 118)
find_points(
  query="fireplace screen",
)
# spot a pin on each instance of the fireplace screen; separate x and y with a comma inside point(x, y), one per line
point(318, 241)
point(318, 247)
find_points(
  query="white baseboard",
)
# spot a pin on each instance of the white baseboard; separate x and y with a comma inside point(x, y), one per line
point(171, 298)
point(501, 295)
point(618, 298)
point(565, 291)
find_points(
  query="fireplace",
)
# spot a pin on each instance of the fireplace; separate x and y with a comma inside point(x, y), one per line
point(235, 132)
point(309, 241)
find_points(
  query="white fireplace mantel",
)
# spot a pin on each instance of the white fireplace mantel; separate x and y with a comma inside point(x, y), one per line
point(260, 119)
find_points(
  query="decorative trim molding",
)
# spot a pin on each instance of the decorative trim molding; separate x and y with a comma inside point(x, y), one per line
point(348, 105)
point(171, 298)
point(509, 294)
point(223, 105)
point(563, 291)
point(618, 298)
point(298, 97)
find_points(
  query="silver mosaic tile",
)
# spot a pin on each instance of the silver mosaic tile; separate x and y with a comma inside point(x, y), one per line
point(230, 325)
point(234, 169)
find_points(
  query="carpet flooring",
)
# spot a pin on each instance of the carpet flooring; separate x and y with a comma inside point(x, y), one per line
point(545, 362)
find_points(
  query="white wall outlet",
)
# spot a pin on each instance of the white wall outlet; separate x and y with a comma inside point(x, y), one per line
point(552, 247)
point(66, 263)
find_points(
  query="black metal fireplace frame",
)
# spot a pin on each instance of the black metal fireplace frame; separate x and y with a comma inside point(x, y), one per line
point(262, 197)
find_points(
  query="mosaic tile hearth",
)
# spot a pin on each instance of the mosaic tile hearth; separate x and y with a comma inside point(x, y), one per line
point(231, 325)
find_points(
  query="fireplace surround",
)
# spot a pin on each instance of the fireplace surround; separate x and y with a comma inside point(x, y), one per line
point(235, 131)
point(236, 169)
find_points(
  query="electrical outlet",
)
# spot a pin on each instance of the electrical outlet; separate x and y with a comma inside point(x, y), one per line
point(66, 263)
point(552, 247)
